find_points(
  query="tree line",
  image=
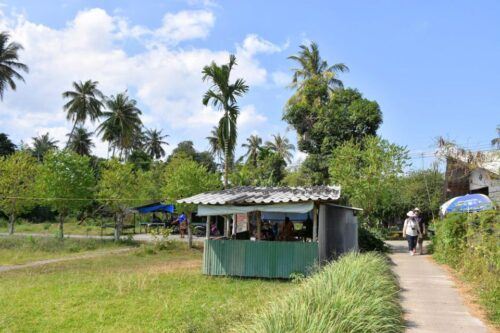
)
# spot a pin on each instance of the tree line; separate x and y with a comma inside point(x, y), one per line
point(336, 128)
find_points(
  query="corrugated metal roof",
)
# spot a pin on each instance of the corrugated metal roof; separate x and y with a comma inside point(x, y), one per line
point(265, 195)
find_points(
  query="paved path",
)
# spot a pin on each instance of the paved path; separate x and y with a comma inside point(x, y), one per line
point(429, 297)
point(51, 261)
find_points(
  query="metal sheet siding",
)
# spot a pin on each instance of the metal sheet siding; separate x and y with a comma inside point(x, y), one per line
point(258, 259)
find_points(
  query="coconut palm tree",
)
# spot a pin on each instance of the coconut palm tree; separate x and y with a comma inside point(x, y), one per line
point(42, 144)
point(281, 146)
point(81, 141)
point(7, 147)
point(122, 124)
point(216, 148)
point(253, 145)
point(312, 65)
point(153, 143)
point(9, 64)
point(222, 95)
point(85, 102)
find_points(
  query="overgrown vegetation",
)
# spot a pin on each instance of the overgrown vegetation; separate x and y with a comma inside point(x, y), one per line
point(469, 244)
point(357, 293)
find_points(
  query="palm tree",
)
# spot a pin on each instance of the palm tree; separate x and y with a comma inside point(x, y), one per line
point(80, 141)
point(312, 65)
point(216, 148)
point(281, 146)
point(122, 124)
point(154, 142)
point(253, 146)
point(85, 102)
point(9, 65)
point(222, 95)
point(42, 145)
point(7, 147)
point(496, 141)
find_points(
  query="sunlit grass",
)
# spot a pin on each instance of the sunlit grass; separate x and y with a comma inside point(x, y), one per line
point(132, 292)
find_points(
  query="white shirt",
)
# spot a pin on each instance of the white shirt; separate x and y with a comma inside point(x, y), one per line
point(411, 227)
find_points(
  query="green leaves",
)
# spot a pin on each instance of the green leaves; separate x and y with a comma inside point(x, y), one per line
point(17, 182)
point(183, 177)
point(66, 180)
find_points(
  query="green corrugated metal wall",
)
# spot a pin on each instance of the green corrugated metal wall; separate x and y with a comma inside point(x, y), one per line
point(259, 258)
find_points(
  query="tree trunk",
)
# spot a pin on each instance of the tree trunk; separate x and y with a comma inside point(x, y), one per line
point(226, 162)
point(61, 225)
point(190, 235)
point(71, 134)
point(118, 227)
point(12, 220)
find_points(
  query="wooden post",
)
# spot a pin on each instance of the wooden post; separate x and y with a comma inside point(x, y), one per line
point(259, 225)
point(235, 224)
point(226, 226)
point(315, 223)
point(207, 232)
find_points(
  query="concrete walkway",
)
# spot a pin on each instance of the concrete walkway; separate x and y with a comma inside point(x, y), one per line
point(429, 297)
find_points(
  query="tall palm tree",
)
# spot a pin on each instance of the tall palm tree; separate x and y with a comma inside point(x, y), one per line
point(282, 146)
point(312, 65)
point(154, 141)
point(81, 141)
point(253, 146)
point(222, 95)
point(42, 144)
point(122, 124)
point(85, 102)
point(9, 64)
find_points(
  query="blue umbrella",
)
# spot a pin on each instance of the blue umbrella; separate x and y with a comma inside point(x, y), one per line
point(467, 203)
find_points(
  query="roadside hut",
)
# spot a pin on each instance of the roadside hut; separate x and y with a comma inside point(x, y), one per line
point(334, 230)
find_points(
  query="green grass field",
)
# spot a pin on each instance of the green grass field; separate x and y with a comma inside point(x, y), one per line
point(52, 228)
point(131, 292)
point(17, 249)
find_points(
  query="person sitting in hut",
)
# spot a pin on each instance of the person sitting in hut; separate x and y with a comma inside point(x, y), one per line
point(213, 229)
point(287, 233)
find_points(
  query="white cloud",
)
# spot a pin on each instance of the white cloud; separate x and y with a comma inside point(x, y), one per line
point(185, 25)
point(249, 117)
point(281, 79)
point(163, 77)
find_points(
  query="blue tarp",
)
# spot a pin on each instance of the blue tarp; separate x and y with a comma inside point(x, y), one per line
point(153, 208)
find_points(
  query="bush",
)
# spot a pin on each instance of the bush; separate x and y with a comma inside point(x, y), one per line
point(357, 293)
point(371, 240)
point(469, 244)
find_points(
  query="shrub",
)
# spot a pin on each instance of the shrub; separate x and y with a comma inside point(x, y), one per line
point(469, 244)
point(357, 293)
point(370, 240)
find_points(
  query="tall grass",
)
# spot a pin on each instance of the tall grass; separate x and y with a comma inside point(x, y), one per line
point(357, 293)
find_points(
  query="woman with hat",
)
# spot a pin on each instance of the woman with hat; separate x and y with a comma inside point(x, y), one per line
point(411, 230)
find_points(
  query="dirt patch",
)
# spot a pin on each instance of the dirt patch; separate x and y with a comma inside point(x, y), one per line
point(471, 301)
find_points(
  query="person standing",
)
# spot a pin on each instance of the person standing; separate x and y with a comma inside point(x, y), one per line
point(423, 229)
point(183, 224)
point(411, 230)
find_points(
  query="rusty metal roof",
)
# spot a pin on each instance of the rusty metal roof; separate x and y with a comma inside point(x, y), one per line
point(264, 195)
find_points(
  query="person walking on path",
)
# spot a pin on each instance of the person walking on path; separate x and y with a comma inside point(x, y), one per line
point(423, 230)
point(183, 224)
point(411, 231)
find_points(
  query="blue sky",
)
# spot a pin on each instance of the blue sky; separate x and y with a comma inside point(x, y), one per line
point(432, 66)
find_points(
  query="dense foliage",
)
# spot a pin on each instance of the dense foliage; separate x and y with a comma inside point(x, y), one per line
point(18, 173)
point(66, 182)
point(357, 293)
point(369, 172)
point(469, 244)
